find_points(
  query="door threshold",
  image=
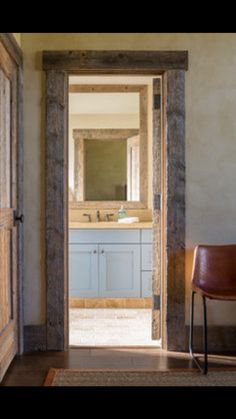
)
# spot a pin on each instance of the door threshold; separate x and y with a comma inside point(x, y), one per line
point(158, 346)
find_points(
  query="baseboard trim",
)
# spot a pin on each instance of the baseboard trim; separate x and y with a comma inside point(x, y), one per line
point(220, 339)
point(35, 338)
point(110, 302)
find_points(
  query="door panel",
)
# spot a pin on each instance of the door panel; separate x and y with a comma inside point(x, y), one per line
point(8, 204)
point(83, 270)
point(146, 284)
point(146, 257)
point(119, 270)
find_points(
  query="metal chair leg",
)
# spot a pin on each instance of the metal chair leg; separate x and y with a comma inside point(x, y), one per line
point(205, 335)
point(205, 368)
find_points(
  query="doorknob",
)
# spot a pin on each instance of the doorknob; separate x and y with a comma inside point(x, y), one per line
point(19, 218)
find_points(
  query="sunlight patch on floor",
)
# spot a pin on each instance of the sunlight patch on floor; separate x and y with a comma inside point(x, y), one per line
point(111, 326)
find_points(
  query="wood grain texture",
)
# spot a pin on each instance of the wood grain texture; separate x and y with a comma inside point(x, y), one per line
point(35, 338)
point(105, 88)
point(156, 214)
point(115, 62)
point(8, 204)
point(12, 48)
point(171, 65)
point(110, 302)
point(5, 140)
point(56, 209)
point(175, 209)
point(20, 208)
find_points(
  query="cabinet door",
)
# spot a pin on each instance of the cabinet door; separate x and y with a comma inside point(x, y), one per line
point(83, 270)
point(119, 270)
point(146, 257)
point(146, 284)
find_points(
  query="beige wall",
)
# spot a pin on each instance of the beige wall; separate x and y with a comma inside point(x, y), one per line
point(18, 38)
point(210, 145)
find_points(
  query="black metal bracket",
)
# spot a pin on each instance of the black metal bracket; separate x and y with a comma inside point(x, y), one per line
point(18, 218)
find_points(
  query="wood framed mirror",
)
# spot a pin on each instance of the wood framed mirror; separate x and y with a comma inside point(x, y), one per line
point(109, 164)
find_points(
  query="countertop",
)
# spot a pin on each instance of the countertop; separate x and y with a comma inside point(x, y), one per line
point(110, 225)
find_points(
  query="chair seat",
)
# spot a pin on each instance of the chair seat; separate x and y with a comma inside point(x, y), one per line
point(214, 294)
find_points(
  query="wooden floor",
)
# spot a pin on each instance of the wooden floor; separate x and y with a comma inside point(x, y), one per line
point(31, 369)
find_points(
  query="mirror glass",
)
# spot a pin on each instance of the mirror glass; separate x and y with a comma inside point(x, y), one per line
point(105, 174)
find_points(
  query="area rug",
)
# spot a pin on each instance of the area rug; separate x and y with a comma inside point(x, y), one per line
point(124, 378)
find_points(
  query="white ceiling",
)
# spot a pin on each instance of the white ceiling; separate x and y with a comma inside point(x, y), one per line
point(104, 103)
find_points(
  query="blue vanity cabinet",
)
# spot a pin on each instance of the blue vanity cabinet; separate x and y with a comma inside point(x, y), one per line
point(146, 263)
point(110, 263)
point(83, 270)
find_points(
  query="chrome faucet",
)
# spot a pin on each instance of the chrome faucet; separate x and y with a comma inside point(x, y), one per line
point(108, 216)
point(98, 217)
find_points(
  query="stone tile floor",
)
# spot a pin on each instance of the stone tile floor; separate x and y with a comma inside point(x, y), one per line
point(111, 327)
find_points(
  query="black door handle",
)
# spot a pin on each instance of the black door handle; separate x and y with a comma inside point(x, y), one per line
point(19, 218)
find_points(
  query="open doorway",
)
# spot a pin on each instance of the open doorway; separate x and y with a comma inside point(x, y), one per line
point(111, 213)
point(169, 201)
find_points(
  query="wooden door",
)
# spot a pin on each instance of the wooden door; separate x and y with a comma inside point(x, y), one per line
point(157, 200)
point(119, 270)
point(8, 208)
point(83, 270)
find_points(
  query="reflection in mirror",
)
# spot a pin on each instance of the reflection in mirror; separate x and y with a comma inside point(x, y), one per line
point(106, 164)
point(109, 137)
point(105, 170)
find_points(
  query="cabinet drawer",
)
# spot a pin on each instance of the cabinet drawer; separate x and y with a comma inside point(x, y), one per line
point(104, 236)
point(146, 284)
point(146, 236)
point(146, 250)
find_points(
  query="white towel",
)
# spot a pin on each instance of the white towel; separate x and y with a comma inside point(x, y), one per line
point(128, 220)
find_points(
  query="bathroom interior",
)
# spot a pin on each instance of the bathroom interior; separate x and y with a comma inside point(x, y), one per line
point(110, 211)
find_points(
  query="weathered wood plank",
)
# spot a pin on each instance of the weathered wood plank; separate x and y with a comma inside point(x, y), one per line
point(20, 207)
point(105, 88)
point(5, 140)
point(7, 65)
point(8, 348)
point(12, 47)
point(175, 209)
point(156, 213)
point(35, 338)
point(115, 62)
point(56, 209)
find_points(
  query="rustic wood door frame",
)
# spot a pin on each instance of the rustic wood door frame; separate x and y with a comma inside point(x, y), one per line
point(15, 52)
point(171, 66)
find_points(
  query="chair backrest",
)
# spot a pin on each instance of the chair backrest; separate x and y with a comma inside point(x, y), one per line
point(214, 269)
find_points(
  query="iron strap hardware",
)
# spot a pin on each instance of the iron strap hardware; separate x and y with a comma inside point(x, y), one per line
point(157, 201)
point(157, 101)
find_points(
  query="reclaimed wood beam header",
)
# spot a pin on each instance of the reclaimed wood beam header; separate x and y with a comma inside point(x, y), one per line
point(117, 62)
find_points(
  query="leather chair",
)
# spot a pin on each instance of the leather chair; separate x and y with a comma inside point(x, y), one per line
point(213, 277)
